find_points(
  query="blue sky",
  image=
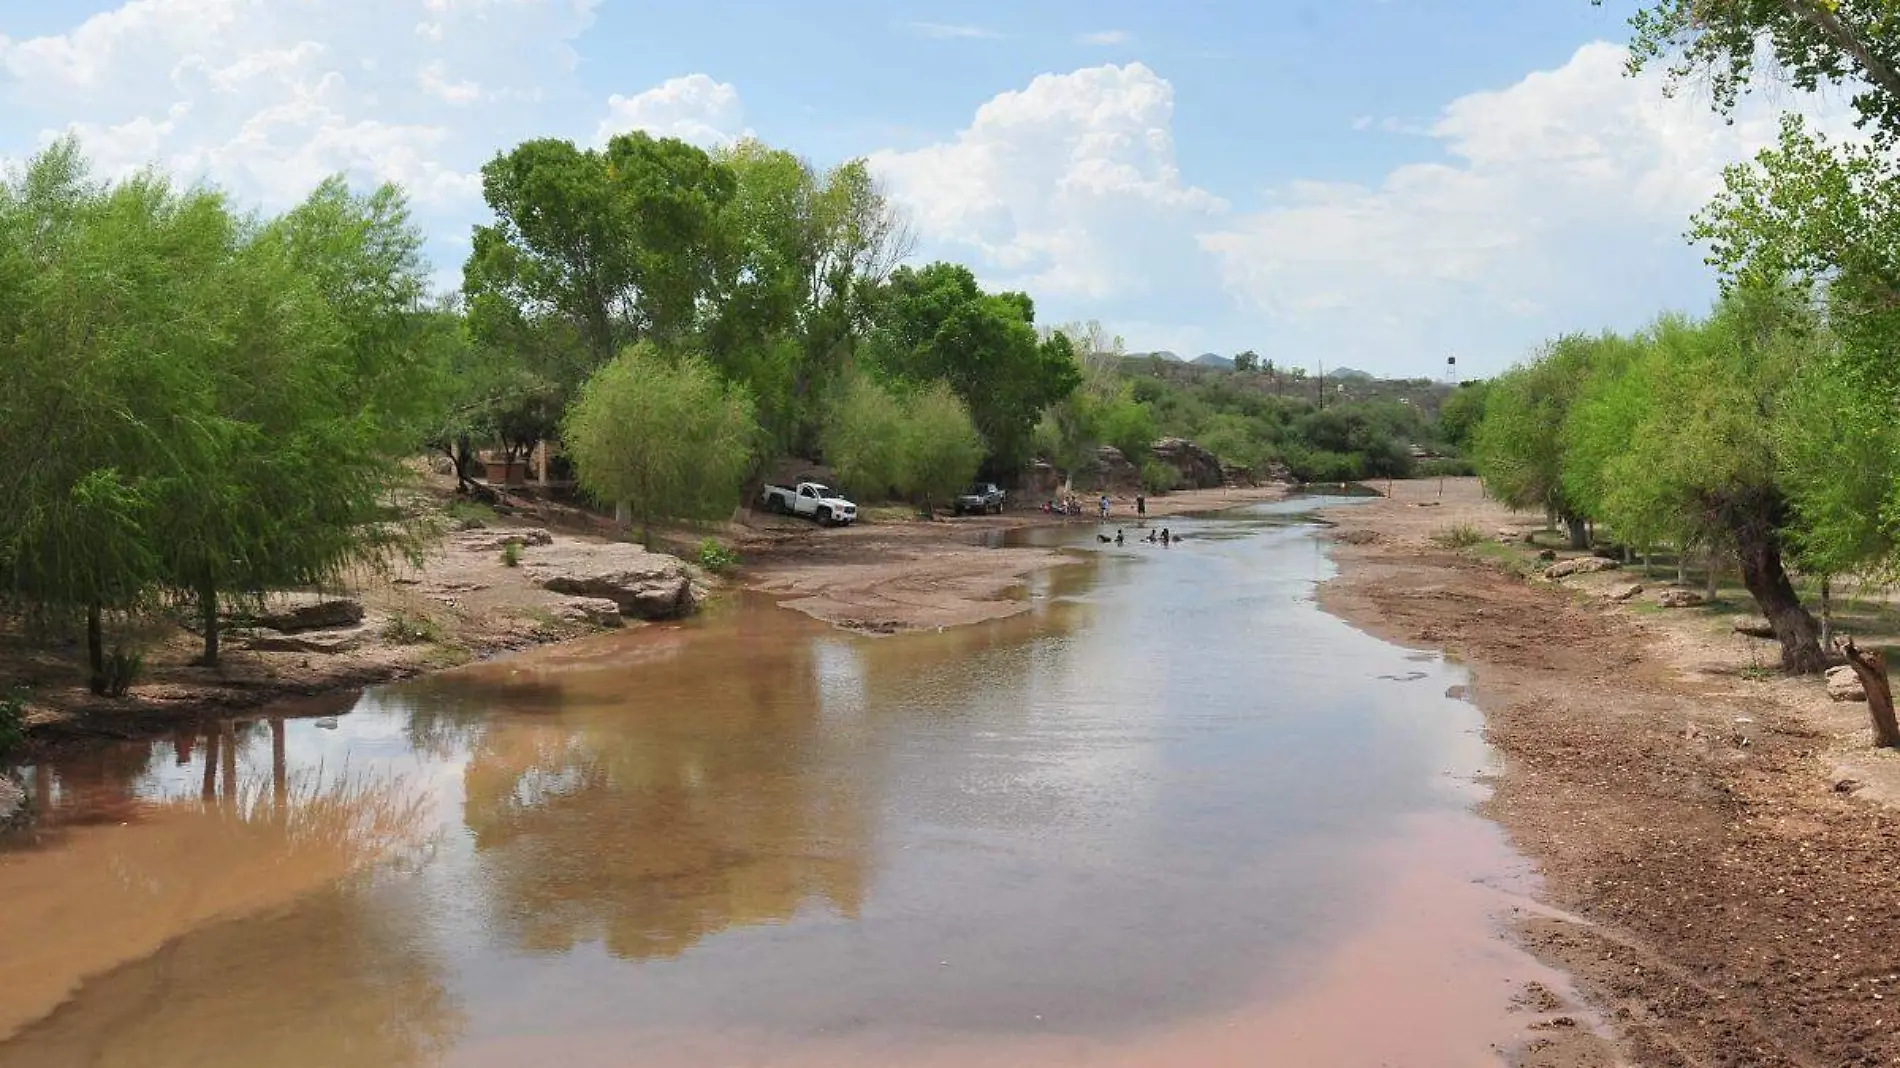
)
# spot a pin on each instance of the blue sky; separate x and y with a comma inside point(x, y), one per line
point(1374, 183)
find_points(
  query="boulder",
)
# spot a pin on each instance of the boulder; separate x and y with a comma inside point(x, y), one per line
point(492, 541)
point(1109, 470)
point(1582, 565)
point(645, 585)
point(1754, 627)
point(1196, 467)
point(595, 611)
point(1679, 599)
point(295, 612)
point(1844, 685)
point(12, 802)
point(1237, 475)
point(1623, 591)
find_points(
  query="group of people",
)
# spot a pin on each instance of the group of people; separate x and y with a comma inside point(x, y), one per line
point(1161, 536)
point(1072, 505)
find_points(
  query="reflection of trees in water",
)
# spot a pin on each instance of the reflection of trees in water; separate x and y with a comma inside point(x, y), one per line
point(670, 801)
point(93, 898)
point(335, 980)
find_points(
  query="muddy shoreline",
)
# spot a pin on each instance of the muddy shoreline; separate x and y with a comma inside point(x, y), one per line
point(1720, 891)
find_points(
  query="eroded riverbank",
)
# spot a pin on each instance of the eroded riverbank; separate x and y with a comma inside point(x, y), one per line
point(1722, 901)
point(1170, 813)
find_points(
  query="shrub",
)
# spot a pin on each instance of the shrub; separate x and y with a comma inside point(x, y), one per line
point(511, 553)
point(716, 558)
point(1157, 477)
point(122, 670)
point(1447, 467)
point(404, 629)
point(12, 719)
point(1459, 536)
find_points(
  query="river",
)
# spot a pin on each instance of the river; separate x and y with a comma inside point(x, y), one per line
point(1172, 814)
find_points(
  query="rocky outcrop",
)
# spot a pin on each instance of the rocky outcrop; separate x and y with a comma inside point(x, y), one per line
point(1195, 467)
point(1753, 626)
point(595, 611)
point(644, 585)
point(293, 613)
point(1844, 685)
point(1237, 475)
point(1110, 471)
point(1582, 565)
point(494, 540)
point(322, 642)
point(1623, 591)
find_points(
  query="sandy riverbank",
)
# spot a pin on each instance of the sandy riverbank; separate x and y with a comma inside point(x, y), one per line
point(1713, 838)
point(886, 577)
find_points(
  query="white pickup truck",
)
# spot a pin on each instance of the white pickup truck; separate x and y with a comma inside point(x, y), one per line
point(814, 500)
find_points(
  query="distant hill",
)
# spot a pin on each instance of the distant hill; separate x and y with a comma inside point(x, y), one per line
point(1214, 359)
point(1347, 374)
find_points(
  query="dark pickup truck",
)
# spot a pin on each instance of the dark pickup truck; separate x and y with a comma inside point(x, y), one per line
point(979, 499)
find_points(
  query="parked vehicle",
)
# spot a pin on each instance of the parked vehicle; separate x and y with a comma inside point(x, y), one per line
point(980, 498)
point(813, 500)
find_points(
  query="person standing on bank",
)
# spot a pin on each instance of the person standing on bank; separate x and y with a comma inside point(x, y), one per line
point(1141, 506)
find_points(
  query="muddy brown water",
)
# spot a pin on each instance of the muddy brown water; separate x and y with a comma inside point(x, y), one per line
point(1173, 814)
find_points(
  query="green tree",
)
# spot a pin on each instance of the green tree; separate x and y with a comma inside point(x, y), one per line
point(1459, 416)
point(940, 446)
point(617, 245)
point(936, 323)
point(1518, 445)
point(1720, 48)
point(1247, 361)
point(668, 439)
point(324, 378)
point(93, 280)
point(863, 436)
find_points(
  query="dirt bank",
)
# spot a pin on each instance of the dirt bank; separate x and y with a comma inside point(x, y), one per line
point(1713, 838)
point(904, 574)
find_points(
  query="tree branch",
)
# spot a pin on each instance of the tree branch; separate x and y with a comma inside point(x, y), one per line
point(1831, 27)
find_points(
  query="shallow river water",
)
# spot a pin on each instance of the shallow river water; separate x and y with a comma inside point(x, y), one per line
point(1173, 814)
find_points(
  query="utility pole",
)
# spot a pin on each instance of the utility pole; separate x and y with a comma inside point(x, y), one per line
point(1320, 393)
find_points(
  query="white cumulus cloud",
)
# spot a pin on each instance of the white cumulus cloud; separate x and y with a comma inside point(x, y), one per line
point(1106, 37)
point(1560, 206)
point(694, 108)
point(1068, 187)
point(269, 98)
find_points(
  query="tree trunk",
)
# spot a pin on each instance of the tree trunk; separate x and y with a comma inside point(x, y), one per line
point(1759, 552)
point(279, 768)
point(1710, 580)
point(1827, 612)
point(1579, 532)
point(210, 789)
point(1682, 565)
point(1871, 667)
point(208, 615)
point(227, 732)
point(95, 650)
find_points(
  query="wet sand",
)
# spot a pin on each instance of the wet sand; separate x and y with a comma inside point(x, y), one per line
point(1724, 901)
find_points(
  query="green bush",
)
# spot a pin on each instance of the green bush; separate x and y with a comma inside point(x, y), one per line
point(511, 553)
point(122, 670)
point(716, 558)
point(1446, 467)
point(1458, 536)
point(12, 720)
point(1157, 477)
point(412, 630)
